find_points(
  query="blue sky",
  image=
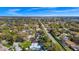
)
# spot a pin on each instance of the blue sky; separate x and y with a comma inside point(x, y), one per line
point(39, 11)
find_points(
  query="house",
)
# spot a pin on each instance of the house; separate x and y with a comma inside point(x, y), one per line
point(35, 46)
point(65, 38)
point(30, 36)
point(3, 48)
point(16, 46)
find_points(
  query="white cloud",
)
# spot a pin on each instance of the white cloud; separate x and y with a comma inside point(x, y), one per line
point(70, 10)
point(35, 8)
point(13, 12)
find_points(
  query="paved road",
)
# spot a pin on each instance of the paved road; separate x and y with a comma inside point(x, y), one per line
point(59, 47)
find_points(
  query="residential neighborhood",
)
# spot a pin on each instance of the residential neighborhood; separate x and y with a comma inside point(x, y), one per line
point(39, 34)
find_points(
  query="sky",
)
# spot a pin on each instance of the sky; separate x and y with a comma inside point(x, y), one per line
point(39, 11)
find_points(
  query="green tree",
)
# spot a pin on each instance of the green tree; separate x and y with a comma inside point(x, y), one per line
point(25, 44)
